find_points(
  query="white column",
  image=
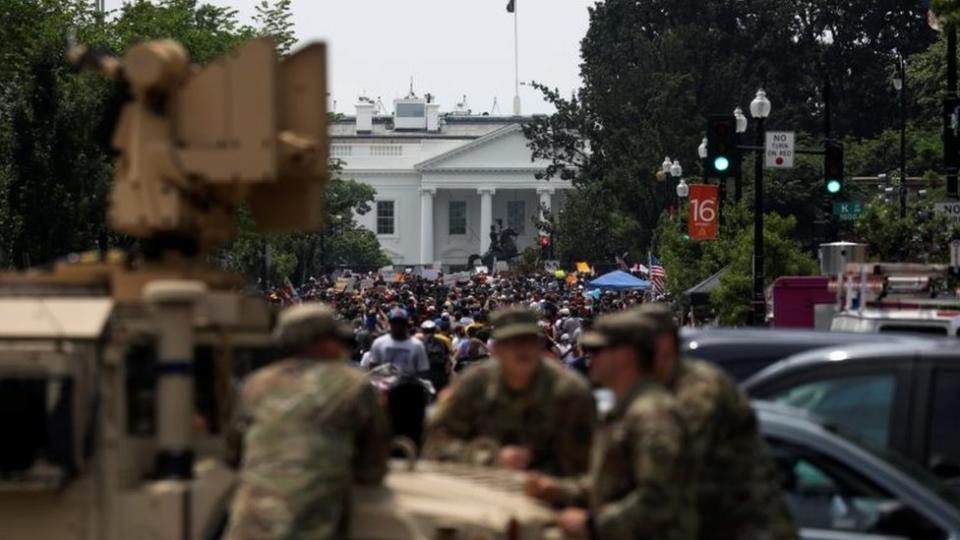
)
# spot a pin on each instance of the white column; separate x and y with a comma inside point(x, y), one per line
point(545, 197)
point(486, 216)
point(426, 225)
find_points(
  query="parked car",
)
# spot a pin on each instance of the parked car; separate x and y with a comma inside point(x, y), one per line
point(903, 397)
point(837, 489)
point(743, 352)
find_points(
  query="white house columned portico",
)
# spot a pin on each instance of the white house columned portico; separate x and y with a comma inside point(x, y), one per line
point(443, 181)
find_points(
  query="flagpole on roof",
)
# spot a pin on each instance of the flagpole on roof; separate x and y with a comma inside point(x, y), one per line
point(516, 60)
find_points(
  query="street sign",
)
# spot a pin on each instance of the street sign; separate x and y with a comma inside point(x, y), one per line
point(950, 210)
point(847, 211)
point(702, 215)
point(780, 145)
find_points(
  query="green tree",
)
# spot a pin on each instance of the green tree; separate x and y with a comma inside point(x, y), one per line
point(651, 70)
point(783, 256)
point(55, 170)
point(922, 236)
point(275, 19)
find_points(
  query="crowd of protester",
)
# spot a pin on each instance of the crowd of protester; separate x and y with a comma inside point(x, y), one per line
point(420, 322)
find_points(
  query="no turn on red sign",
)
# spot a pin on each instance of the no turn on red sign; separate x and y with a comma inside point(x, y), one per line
point(780, 149)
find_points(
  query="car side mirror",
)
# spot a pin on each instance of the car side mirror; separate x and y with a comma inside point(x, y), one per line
point(944, 469)
point(896, 519)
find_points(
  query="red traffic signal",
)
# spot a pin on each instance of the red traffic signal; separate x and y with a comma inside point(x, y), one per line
point(544, 241)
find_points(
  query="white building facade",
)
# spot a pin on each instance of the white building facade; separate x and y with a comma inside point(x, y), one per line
point(442, 180)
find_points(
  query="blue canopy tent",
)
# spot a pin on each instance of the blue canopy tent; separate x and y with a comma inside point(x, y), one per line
point(618, 281)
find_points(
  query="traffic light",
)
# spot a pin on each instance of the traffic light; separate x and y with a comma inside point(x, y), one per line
point(833, 168)
point(723, 155)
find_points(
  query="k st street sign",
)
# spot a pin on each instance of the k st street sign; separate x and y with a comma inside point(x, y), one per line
point(847, 211)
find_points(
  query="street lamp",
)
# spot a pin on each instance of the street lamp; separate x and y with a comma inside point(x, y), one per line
point(741, 129)
point(676, 171)
point(683, 190)
point(665, 167)
point(760, 110)
point(741, 120)
point(900, 85)
point(702, 149)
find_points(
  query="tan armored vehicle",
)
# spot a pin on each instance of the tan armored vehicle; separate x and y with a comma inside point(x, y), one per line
point(117, 377)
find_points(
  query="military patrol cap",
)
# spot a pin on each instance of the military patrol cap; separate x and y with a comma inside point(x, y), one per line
point(660, 315)
point(514, 321)
point(302, 324)
point(621, 328)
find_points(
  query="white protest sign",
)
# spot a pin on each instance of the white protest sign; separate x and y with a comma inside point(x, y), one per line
point(780, 149)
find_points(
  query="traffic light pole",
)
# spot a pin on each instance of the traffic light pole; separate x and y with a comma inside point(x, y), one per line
point(738, 185)
point(759, 297)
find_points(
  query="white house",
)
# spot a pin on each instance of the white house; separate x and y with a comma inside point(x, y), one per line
point(442, 180)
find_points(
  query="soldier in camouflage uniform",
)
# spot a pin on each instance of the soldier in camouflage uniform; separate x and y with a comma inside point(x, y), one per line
point(640, 484)
point(539, 415)
point(740, 493)
point(312, 426)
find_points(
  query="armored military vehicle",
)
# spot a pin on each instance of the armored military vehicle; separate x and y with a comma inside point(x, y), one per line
point(117, 375)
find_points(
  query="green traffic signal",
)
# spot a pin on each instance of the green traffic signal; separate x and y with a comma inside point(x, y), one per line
point(721, 164)
point(833, 186)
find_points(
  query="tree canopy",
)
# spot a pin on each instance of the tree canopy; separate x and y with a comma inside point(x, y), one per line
point(55, 122)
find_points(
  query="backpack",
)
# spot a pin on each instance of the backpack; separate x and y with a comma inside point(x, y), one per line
point(437, 353)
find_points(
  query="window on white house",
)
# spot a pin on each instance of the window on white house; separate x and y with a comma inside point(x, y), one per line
point(517, 216)
point(458, 217)
point(385, 218)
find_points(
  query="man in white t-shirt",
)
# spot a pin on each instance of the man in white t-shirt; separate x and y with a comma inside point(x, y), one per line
point(398, 348)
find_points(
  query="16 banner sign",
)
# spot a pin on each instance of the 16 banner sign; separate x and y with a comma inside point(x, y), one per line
point(703, 213)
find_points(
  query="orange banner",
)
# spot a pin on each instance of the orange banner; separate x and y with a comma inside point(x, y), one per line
point(703, 213)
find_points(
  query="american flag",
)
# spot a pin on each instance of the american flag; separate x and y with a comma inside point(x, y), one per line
point(658, 275)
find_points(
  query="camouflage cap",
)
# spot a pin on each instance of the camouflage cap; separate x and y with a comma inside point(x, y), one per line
point(302, 324)
point(660, 315)
point(514, 321)
point(620, 328)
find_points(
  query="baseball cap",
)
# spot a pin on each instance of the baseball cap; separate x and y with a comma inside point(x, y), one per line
point(398, 314)
point(621, 328)
point(514, 322)
point(660, 315)
point(428, 326)
point(302, 324)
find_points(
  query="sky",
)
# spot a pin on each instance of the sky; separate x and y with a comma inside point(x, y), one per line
point(450, 48)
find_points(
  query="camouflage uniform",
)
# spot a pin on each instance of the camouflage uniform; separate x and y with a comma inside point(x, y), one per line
point(740, 490)
point(641, 484)
point(554, 418)
point(311, 429)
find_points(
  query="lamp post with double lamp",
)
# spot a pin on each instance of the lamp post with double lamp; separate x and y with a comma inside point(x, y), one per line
point(900, 85)
point(760, 110)
point(741, 129)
